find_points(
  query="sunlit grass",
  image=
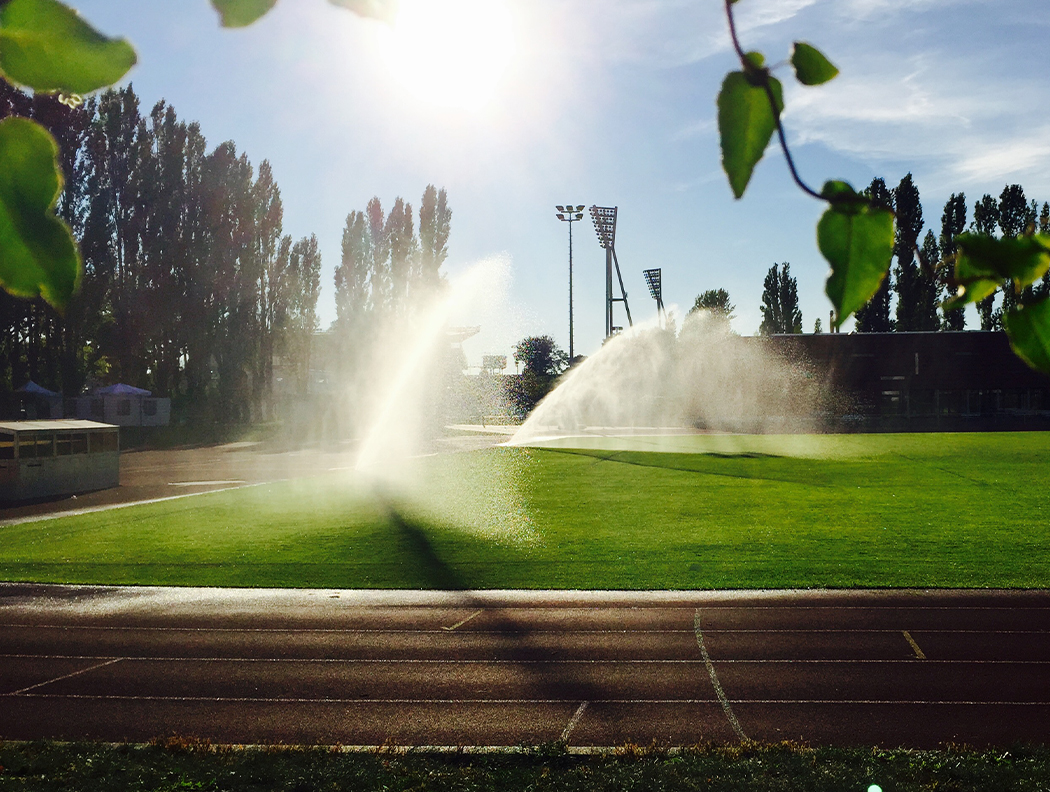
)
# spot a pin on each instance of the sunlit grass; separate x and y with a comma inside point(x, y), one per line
point(880, 510)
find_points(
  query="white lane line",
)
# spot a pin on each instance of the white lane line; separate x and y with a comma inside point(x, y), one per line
point(726, 708)
point(486, 661)
point(205, 483)
point(573, 721)
point(463, 621)
point(443, 630)
point(110, 506)
point(505, 701)
point(914, 646)
point(65, 676)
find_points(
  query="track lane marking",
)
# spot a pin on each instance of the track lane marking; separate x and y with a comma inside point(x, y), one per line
point(914, 646)
point(726, 708)
point(463, 621)
point(64, 676)
point(442, 630)
point(484, 661)
point(573, 721)
point(445, 701)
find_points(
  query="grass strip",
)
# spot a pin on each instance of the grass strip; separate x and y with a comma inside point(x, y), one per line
point(930, 510)
point(177, 764)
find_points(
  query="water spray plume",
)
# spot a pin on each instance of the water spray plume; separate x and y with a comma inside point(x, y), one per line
point(648, 382)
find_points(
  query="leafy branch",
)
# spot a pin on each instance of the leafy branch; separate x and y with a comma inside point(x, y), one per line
point(854, 234)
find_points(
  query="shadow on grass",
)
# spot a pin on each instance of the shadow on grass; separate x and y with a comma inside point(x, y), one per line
point(740, 465)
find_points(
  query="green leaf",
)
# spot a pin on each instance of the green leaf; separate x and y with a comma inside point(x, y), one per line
point(983, 263)
point(240, 13)
point(385, 10)
point(1028, 327)
point(37, 253)
point(47, 46)
point(811, 67)
point(857, 240)
point(745, 124)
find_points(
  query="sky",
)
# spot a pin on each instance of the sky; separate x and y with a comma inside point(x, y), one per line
point(534, 103)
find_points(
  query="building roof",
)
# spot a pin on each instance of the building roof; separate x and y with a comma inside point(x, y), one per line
point(120, 389)
point(58, 425)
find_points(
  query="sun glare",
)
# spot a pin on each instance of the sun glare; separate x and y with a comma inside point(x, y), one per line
point(451, 52)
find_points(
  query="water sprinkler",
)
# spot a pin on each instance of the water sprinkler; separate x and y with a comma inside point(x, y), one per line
point(604, 218)
point(570, 214)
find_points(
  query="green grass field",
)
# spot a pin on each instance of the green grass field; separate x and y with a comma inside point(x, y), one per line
point(917, 510)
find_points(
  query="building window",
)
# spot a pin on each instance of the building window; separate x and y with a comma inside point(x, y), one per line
point(124, 407)
point(98, 408)
point(149, 407)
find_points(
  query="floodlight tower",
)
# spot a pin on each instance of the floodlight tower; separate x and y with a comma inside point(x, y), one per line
point(604, 218)
point(653, 281)
point(570, 214)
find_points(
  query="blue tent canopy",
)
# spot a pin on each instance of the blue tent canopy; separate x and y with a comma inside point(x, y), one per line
point(36, 390)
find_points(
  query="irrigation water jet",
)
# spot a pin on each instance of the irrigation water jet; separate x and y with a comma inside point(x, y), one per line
point(649, 381)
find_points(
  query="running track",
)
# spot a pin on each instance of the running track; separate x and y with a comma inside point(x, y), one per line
point(596, 669)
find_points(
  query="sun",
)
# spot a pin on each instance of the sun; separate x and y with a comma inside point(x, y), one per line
point(451, 52)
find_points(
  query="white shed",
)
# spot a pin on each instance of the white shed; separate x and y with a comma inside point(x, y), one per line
point(46, 459)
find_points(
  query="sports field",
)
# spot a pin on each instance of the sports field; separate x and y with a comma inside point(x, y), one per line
point(699, 512)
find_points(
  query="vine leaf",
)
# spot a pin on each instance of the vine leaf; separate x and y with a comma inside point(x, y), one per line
point(385, 10)
point(811, 67)
point(983, 263)
point(240, 13)
point(37, 253)
point(1028, 327)
point(857, 240)
point(746, 123)
point(45, 45)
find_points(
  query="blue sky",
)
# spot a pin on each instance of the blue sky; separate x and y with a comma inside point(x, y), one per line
point(610, 103)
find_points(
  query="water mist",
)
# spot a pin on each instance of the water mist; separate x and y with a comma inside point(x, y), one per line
point(647, 381)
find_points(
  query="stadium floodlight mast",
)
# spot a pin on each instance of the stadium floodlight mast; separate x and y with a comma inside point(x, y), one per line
point(604, 218)
point(654, 281)
point(570, 214)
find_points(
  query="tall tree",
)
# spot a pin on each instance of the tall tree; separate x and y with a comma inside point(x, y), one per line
point(916, 291)
point(985, 221)
point(1015, 215)
point(953, 223)
point(875, 316)
point(717, 302)
point(435, 219)
point(1042, 289)
point(300, 321)
point(780, 311)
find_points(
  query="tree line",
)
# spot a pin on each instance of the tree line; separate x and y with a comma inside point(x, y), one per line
point(190, 288)
point(918, 280)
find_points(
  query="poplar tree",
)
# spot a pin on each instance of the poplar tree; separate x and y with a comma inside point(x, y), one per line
point(875, 316)
point(780, 311)
point(985, 221)
point(953, 223)
point(912, 311)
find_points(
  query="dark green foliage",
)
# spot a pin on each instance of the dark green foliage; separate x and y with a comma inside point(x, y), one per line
point(542, 361)
point(188, 764)
point(874, 317)
point(953, 223)
point(717, 302)
point(780, 311)
point(188, 282)
point(916, 290)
